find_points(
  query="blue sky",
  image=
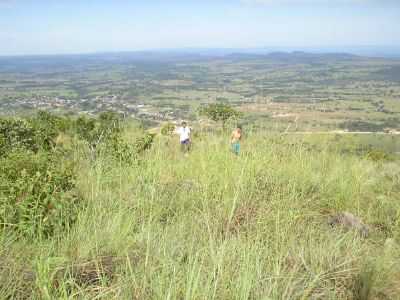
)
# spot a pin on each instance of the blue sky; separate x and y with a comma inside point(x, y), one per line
point(78, 26)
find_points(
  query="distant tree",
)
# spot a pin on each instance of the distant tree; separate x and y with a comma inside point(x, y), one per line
point(220, 112)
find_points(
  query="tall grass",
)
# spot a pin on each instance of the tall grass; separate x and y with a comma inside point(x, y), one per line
point(216, 226)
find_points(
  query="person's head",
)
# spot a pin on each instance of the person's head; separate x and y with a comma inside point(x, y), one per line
point(184, 124)
point(239, 127)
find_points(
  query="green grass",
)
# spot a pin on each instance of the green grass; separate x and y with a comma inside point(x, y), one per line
point(216, 226)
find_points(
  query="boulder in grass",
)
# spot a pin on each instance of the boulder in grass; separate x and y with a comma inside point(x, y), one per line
point(349, 221)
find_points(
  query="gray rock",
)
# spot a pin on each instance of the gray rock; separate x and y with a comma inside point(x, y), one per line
point(349, 221)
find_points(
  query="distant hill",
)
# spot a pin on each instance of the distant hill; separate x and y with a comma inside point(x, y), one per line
point(295, 57)
point(42, 63)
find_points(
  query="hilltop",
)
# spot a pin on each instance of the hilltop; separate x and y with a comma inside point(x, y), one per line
point(127, 216)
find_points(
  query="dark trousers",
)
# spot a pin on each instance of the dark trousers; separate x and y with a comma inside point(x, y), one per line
point(185, 145)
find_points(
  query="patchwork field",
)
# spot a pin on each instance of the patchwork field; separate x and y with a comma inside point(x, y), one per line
point(314, 91)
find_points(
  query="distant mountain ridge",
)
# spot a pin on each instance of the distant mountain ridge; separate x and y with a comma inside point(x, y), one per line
point(74, 61)
point(295, 56)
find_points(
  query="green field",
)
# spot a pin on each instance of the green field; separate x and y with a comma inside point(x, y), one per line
point(314, 91)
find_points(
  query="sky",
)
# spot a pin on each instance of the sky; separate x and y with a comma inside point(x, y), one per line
point(85, 26)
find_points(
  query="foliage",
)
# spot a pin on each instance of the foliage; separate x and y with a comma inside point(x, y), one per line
point(37, 193)
point(117, 149)
point(110, 121)
point(16, 134)
point(37, 183)
point(220, 112)
point(378, 155)
point(167, 129)
point(85, 129)
point(105, 134)
point(144, 143)
point(34, 134)
point(95, 131)
point(46, 129)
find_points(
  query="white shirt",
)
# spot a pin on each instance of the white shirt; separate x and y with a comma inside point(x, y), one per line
point(184, 133)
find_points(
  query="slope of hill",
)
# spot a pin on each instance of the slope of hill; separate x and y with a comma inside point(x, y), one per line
point(158, 225)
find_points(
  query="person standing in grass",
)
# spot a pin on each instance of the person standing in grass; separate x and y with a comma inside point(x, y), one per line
point(235, 140)
point(184, 137)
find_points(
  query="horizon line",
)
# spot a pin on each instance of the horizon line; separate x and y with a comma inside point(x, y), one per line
point(334, 49)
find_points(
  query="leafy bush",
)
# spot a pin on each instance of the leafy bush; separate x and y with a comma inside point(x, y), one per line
point(117, 149)
point(168, 129)
point(38, 132)
point(96, 131)
point(16, 134)
point(144, 143)
point(37, 193)
point(84, 128)
point(45, 126)
point(110, 122)
point(377, 155)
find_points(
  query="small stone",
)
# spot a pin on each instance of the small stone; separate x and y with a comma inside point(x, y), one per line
point(349, 222)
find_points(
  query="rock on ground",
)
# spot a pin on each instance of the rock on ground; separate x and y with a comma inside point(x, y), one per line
point(349, 222)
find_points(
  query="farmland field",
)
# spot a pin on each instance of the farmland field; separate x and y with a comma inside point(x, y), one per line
point(309, 92)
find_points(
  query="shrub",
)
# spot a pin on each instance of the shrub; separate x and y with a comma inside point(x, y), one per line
point(45, 129)
point(118, 149)
point(37, 189)
point(84, 128)
point(38, 132)
point(16, 134)
point(168, 129)
point(110, 122)
point(37, 193)
point(377, 155)
point(96, 131)
point(144, 143)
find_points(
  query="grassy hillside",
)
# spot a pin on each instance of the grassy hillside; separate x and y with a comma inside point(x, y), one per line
point(213, 225)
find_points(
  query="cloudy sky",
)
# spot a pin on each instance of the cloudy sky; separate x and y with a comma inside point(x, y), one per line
point(77, 26)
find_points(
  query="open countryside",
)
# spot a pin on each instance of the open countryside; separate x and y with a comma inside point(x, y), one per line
point(313, 91)
point(190, 150)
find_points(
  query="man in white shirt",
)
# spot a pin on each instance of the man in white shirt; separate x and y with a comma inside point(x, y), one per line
point(184, 137)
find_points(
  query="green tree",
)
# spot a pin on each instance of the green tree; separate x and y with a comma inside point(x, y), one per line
point(220, 112)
